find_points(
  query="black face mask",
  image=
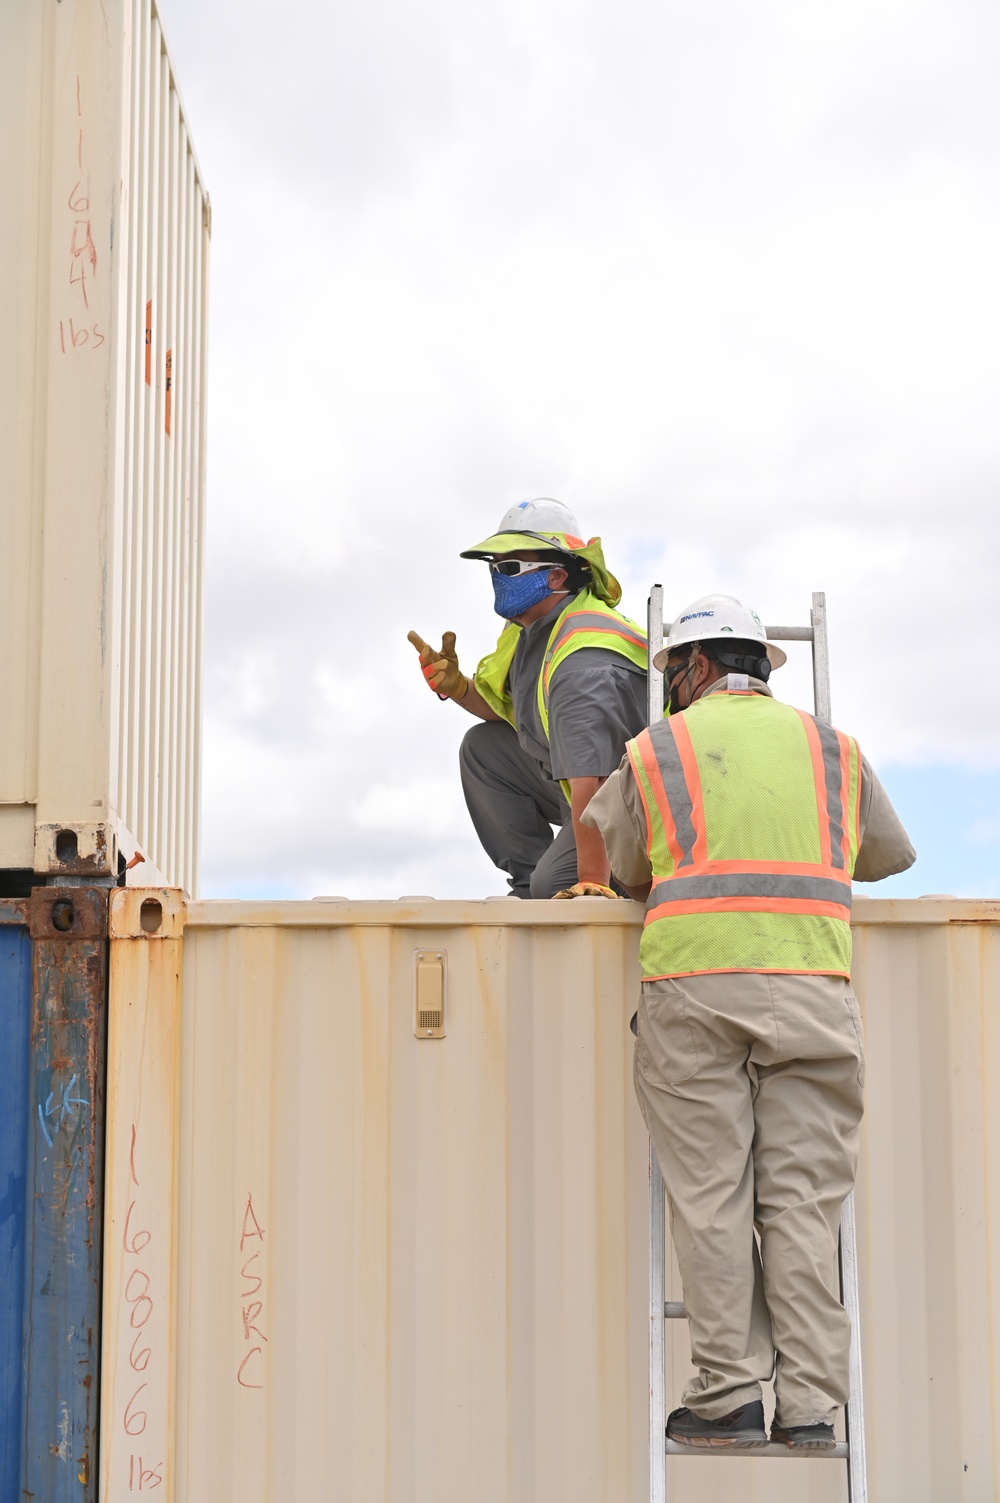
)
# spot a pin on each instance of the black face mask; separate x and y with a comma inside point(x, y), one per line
point(673, 678)
point(756, 667)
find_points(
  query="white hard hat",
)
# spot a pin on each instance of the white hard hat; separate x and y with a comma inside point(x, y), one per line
point(541, 515)
point(543, 521)
point(713, 618)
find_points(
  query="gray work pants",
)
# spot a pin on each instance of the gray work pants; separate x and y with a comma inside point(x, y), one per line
point(513, 808)
point(751, 1087)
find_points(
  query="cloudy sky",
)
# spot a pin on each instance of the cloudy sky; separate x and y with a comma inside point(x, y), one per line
point(723, 277)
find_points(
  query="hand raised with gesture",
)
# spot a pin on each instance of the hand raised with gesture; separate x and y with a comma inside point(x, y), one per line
point(440, 668)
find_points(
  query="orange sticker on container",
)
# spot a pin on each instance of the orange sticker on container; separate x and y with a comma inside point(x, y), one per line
point(149, 342)
point(168, 398)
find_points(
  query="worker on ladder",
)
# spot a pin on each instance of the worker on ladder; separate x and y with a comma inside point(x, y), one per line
point(741, 821)
point(559, 697)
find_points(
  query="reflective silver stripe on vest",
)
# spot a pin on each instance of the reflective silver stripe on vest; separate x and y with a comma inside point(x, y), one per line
point(751, 885)
point(592, 621)
point(586, 621)
point(830, 743)
point(678, 798)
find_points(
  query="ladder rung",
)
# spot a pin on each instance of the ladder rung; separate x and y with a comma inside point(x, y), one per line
point(775, 633)
point(674, 1310)
point(789, 633)
point(779, 1452)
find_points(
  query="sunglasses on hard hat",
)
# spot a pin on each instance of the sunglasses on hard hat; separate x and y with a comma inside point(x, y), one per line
point(514, 566)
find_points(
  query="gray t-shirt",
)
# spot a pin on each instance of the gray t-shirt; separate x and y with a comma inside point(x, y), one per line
point(597, 702)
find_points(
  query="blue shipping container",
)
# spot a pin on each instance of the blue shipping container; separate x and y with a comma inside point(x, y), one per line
point(64, 1185)
point(15, 1033)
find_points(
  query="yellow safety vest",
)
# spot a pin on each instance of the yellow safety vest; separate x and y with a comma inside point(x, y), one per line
point(586, 622)
point(752, 812)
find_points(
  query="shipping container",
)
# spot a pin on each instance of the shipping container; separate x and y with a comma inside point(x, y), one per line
point(102, 407)
point(53, 990)
point(15, 1117)
point(377, 1219)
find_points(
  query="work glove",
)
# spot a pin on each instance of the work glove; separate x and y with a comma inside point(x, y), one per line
point(441, 669)
point(587, 890)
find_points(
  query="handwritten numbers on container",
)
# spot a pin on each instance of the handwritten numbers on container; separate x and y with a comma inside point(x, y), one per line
point(78, 332)
point(137, 1296)
point(55, 1113)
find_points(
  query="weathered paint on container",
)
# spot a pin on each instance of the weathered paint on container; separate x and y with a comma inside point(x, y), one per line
point(15, 1032)
point(140, 1326)
point(413, 1269)
point(101, 445)
point(62, 1299)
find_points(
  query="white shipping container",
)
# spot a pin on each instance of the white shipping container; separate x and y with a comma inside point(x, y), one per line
point(101, 445)
point(376, 1223)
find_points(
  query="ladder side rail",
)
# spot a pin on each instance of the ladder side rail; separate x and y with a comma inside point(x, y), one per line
point(657, 1200)
point(821, 658)
point(857, 1460)
point(654, 641)
point(857, 1471)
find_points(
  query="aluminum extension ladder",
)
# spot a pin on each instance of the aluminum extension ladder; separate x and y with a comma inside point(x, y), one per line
point(660, 1309)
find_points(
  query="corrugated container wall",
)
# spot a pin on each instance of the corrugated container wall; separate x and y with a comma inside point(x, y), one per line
point(101, 445)
point(377, 1217)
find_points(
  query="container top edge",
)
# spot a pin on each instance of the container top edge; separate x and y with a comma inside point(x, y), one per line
point(437, 913)
point(422, 913)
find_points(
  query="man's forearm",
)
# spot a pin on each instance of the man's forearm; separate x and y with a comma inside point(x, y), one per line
point(592, 863)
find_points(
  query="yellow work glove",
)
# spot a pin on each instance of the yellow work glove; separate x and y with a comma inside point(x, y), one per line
point(441, 669)
point(587, 890)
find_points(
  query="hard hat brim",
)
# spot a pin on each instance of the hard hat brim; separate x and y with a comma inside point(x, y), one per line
point(510, 542)
point(776, 656)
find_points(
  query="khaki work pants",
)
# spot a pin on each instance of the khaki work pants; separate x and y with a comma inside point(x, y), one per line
point(751, 1087)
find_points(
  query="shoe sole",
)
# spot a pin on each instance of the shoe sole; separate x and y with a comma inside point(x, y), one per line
point(807, 1445)
point(741, 1441)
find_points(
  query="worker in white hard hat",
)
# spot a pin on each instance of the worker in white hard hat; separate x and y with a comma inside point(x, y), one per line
point(557, 699)
point(741, 822)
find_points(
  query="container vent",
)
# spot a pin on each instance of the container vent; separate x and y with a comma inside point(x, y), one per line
point(429, 976)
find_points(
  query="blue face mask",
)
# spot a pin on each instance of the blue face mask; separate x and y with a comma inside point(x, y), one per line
point(513, 595)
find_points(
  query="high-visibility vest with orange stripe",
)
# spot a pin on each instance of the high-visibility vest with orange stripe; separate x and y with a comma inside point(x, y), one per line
point(752, 818)
point(587, 621)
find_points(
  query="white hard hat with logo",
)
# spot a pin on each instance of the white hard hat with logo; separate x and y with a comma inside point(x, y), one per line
point(714, 618)
point(541, 521)
point(542, 515)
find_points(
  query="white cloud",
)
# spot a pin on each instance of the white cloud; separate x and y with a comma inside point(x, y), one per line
point(422, 806)
point(722, 278)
